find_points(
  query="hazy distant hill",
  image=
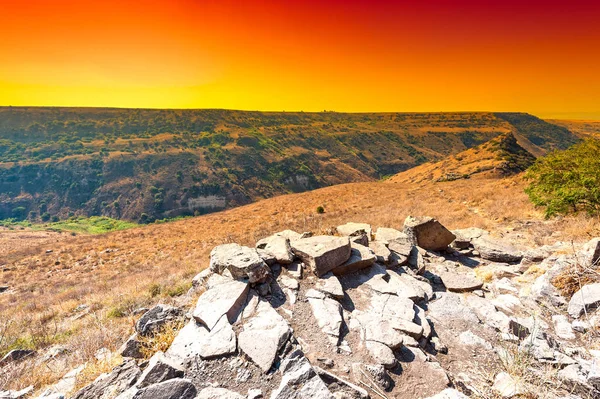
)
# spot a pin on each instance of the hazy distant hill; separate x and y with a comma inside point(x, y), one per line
point(148, 164)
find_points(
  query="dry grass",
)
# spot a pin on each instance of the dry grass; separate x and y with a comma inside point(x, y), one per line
point(116, 273)
point(161, 340)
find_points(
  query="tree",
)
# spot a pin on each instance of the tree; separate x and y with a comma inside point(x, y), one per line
point(567, 181)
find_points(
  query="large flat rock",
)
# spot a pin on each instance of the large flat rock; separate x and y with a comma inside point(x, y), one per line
point(355, 229)
point(328, 313)
point(243, 263)
point(322, 253)
point(496, 250)
point(223, 299)
point(277, 247)
point(361, 257)
point(460, 282)
point(586, 299)
point(263, 335)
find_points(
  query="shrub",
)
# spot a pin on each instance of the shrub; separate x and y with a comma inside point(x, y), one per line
point(567, 181)
point(320, 209)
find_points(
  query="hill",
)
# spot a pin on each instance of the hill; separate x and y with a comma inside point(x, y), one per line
point(144, 165)
point(499, 157)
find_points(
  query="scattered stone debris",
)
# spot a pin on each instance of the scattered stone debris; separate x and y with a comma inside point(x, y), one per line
point(405, 315)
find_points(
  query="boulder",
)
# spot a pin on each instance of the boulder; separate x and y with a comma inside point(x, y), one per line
point(589, 256)
point(360, 258)
point(355, 229)
point(300, 380)
point(111, 384)
point(392, 308)
point(16, 355)
point(132, 348)
point(278, 248)
point(224, 299)
point(386, 235)
point(586, 299)
point(160, 368)
point(220, 341)
point(177, 388)
point(218, 393)
point(428, 233)
point(460, 282)
point(187, 345)
point(330, 285)
point(155, 318)
point(263, 334)
point(322, 253)
point(507, 386)
point(496, 250)
point(381, 251)
point(562, 327)
point(328, 313)
point(243, 263)
point(381, 354)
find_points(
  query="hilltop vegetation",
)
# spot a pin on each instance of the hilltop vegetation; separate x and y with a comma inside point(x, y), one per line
point(144, 165)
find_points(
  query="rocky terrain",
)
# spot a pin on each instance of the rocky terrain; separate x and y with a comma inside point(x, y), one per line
point(419, 313)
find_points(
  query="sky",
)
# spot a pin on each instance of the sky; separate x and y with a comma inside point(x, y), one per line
point(541, 57)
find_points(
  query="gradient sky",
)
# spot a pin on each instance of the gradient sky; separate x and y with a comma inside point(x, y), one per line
point(535, 56)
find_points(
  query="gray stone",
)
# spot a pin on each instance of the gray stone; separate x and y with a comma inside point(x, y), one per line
point(220, 341)
point(589, 256)
point(360, 257)
point(16, 394)
point(509, 304)
point(300, 380)
point(177, 388)
point(328, 313)
point(224, 299)
point(255, 393)
point(507, 386)
point(449, 306)
point(155, 318)
point(263, 334)
point(330, 285)
point(460, 282)
point(111, 384)
point(132, 348)
point(386, 235)
point(160, 368)
point(392, 308)
point(543, 291)
point(16, 355)
point(379, 330)
point(408, 327)
point(201, 278)
point(496, 250)
point(381, 354)
point(278, 248)
point(243, 263)
point(422, 321)
point(428, 233)
point(355, 229)
point(470, 339)
point(381, 251)
point(218, 393)
point(330, 378)
point(188, 343)
point(586, 299)
point(449, 393)
point(295, 270)
point(562, 327)
point(322, 253)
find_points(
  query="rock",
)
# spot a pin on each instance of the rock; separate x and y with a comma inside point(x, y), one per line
point(278, 248)
point(408, 327)
point(328, 313)
point(330, 378)
point(218, 393)
point(422, 321)
point(392, 308)
point(322, 253)
point(289, 283)
point(542, 291)
point(562, 327)
point(386, 235)
point(66, 384)
point(201, 278)
point(460, 282)
point(470, 339)
point(506, 386)
point(292, 235)
point(160, 368)
point(406, 286)
point(573, 376)
point(177, 388)
point(330, 285)
point(155, 318)
point(450, 307)
point(295, 270)
point(589, 256)
point(17, 394)
point(378, 330)
point(255, 394)
point(487, 313)
point(220, 341)
point(509, 304)
point(300, 380)
point(449, 393)
point(243, 263)
point(3, 288)
point(496, 250)
point(504, 286)
point(360, 257)
point(428, 233)
point(111, 384)
point(355, 229)
point(586, 299)
point(16, 355)
point(381, 251)
point(224, 299)
point(381, 354)
point(263, 334)
point(132, 348)
point(187, 345)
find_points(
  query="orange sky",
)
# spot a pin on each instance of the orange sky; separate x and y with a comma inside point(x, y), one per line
point(541, 57)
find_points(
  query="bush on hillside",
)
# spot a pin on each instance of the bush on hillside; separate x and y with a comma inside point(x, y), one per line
point(567, 181)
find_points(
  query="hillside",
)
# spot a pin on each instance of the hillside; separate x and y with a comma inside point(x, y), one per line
point(499, 157)
point(144, 165)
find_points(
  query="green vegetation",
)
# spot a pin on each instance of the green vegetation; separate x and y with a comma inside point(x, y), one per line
point(149, 165)
point(320, 209)
point(91, 225)
point(567, 181)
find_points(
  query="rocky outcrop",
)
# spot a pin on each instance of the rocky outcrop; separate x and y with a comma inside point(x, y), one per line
point(392, 318)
